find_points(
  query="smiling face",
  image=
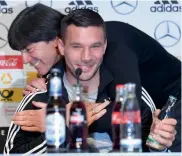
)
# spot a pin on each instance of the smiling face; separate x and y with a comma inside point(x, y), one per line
point(41, 55)
point(84, 48)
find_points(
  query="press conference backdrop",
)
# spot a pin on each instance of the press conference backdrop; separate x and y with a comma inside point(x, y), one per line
point(161, 19)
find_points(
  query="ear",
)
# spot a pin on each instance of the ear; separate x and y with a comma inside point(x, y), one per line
point(56, 42)
point(60, 46)
point(105, 45)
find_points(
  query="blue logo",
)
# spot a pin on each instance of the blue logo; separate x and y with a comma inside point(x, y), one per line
point(29, 3)
point(124, 7)
point(167, 33)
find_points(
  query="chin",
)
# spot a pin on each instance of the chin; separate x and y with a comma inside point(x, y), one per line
point(41, 73)
point(86, 78)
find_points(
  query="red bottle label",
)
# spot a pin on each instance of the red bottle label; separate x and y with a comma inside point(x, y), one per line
point(116, 118)
point(76, 118)
point(131, 116)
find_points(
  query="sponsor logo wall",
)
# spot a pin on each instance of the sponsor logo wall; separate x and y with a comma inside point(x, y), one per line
point(12, 81)
point(81, 4)
point(124, 7)
point(166, 6)
point(5, 8)
point(161, 19)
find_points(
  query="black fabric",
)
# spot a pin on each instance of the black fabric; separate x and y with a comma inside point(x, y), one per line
point(3, 134)
point(134, 56)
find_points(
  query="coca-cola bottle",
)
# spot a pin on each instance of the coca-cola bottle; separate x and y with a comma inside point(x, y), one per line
point(116, 116)
point(131, 122)
point(165, 113)
point(78, 123)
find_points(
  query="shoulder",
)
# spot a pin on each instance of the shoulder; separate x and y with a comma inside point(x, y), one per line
point(118, 30)
point(118, 25)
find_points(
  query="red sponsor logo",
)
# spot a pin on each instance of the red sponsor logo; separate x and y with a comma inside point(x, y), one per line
point(76, 119)
point(131, 116)
point(11, 62)
point(116, 118)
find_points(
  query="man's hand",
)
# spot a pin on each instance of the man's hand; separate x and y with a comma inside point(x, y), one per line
point(38, 83)
point(94, 111)
point(32, 120)
point(163, 131)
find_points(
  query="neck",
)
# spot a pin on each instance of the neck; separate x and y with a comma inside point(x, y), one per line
point(91, 85)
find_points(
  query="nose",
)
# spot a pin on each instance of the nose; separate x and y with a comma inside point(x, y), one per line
point(26, 58)
point(86, 55)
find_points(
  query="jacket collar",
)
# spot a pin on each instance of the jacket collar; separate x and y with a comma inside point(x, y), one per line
point(105, 78)
point(58, 65)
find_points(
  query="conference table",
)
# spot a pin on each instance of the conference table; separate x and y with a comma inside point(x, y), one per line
point(108, 154)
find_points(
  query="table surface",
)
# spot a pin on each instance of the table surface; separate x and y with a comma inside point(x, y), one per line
point(110, 154)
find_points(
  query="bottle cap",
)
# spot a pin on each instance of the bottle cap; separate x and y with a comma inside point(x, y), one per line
point(130, 86)
point(172, 98)
point(55, 70)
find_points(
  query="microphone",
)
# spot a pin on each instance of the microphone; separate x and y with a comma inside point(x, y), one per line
point(78, 72)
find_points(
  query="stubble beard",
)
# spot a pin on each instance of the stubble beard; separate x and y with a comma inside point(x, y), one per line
point(95, 72)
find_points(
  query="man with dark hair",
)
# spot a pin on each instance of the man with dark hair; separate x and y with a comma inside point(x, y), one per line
point(37, 28)
point(89, 42)
point(34, 32)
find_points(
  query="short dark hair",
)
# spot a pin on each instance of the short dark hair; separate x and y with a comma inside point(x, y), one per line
point(34, 24)
point(82, 18)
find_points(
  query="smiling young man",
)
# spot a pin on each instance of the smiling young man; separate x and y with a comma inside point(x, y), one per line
point(83, 45)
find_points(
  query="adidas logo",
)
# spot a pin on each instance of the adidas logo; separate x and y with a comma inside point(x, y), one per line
point(4, 9)
point(81, 4)
point(166, 6)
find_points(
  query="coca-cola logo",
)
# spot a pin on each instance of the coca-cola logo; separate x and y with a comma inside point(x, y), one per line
point(76, 119)
point(116, 118)
point(131, 117)
point(11, 62)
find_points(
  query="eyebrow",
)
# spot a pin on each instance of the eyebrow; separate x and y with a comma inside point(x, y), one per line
point(75, 43)
point(30, 46)
point(95, 43)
